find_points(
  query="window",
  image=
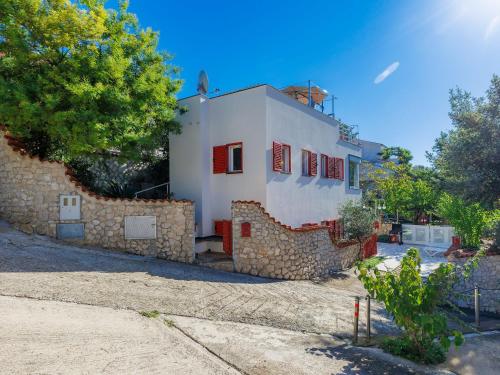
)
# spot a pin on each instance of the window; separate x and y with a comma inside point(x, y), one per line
point(354, 163)
point(324, 166)
point(235, 153)
point(286, 162)
point(228, 158)
point(306, 163)
point(282, 159)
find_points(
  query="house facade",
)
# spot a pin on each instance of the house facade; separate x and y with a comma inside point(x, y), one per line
point(259, 144)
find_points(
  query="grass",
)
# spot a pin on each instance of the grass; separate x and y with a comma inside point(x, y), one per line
point(150, 314)
point(168, 322)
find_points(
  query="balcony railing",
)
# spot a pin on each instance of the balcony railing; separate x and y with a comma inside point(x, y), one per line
point(349, 133)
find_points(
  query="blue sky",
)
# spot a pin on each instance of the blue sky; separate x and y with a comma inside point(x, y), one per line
point(343, 46)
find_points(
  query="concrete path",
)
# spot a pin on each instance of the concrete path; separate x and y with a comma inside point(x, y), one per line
point(47, 337)
point(37, 267)
point(260, 350)
point(480, 355)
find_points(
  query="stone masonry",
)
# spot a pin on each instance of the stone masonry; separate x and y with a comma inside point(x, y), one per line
point(29, 199)
point(276, 250)
point(487, 278)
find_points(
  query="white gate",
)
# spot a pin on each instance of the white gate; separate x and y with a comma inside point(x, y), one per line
point(431, 235)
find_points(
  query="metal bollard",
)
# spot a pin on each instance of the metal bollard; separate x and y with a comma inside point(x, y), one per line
point(476, 304)
point(368, 321)
point(356, 319)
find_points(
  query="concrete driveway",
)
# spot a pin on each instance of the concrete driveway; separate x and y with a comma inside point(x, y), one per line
point(70, 310)
point(37, 267)
point(49, 337)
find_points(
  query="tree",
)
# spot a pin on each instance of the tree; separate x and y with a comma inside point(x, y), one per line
point(76, 78)
point(468, 220)
point(357, 221)
point(406, 190)
point(416, 305)
point(468, 156)
point(402, 155)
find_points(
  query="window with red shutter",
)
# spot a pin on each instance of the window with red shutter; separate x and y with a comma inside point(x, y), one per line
point(220, 159)
point(306, 163)
point(277, 157)
point(331, 167)
point(286, 158)
point(324, 166)
point(340, 168)
point(314, 164)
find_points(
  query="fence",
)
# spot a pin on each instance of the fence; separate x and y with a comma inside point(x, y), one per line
point(430, 235)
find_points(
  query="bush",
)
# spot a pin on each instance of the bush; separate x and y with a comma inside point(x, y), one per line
point(468, 220)
point(402, 346)
point(416, 305)
point(357, 221)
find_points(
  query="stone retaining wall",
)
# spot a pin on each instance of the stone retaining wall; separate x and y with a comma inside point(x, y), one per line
point(30, 189)
point(276, 250)
point(487, 277)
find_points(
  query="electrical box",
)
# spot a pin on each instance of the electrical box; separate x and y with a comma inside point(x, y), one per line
point(69, 207)
point(140, 227)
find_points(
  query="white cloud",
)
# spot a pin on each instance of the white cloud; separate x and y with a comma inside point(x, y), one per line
point(491, 27)
point(387, 72)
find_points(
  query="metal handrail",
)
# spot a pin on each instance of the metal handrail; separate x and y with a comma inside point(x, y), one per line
point(154, 187)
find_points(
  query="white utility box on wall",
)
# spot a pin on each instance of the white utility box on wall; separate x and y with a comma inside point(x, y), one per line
point(69, 207)
point(140, 227)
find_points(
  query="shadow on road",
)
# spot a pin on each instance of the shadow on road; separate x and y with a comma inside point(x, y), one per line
point(25, 253)
point(359, 362)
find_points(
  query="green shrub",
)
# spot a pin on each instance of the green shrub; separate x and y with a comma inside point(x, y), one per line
point(468, 220)
point(416, 305)
point(402, 346)
point(357, 221)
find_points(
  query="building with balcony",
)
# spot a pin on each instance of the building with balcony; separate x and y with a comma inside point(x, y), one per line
point(262, 144)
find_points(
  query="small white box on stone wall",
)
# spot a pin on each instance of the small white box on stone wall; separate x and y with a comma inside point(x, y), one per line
point(69, 207)
point(140, 227)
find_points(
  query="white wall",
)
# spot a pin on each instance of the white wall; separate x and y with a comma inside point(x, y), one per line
point(239, 117)
point(292, 198)
point(256, 117)
point(188, 157)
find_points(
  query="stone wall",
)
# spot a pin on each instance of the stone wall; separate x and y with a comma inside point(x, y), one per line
point(30, 191)
point(487, 277)
point(276, 250)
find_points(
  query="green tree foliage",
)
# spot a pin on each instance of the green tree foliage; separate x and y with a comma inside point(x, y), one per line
point(402, 155)
point(357, 221)
point(468, 156)
point(468, 220)
point(406, 191)
point(76, 78)
point(415, 304)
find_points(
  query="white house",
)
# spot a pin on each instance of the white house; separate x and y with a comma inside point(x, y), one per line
point(261, 144)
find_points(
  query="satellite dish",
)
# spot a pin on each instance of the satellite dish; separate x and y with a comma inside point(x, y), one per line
point(203, 82)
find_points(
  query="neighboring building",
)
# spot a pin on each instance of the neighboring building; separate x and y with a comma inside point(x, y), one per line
point(371, 151)
point(260, 144)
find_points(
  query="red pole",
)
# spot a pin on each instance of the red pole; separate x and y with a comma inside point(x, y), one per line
point(356, 319)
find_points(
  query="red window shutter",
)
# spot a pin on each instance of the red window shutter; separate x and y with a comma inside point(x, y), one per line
point(340, 169)
point(220, 159)
point(277, 157)
point(331, 167)
point(314, 163)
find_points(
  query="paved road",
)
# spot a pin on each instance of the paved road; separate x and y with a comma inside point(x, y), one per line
point(49, 337)
point(37, 267)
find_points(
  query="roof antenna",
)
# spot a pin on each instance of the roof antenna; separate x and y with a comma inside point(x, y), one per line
point(202, 83)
